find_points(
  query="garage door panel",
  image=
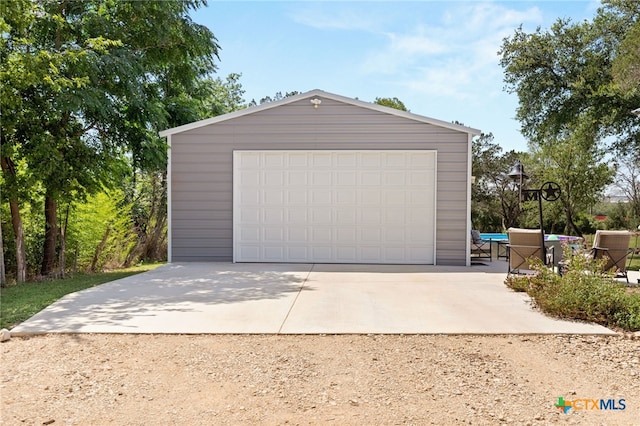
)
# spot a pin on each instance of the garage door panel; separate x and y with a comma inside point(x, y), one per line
point(251, 195)
point(394, 197)
point(348, 196)
point(272, 196)
point(370, 160)
point(298, 160)
point(393, 215)
point(274, 215)
point(321, 196)
point(345, 236)
point(249, 234)
point(346, 178)
point(416, 254)
point(370, 197)
point(369, 216)
point(297, 215)
point(347, 159)
point(372, 178)
point(297, 253)
point(273, 161)
point(274, 178)
point(250, 215)
point(321, 159)
point(273, 253)
point(395, 254)
point(394, 235)
point(297, 234)
point(322, 253)
point(322, 216)
point(370, 235)
point(348, 254)
point(246, 251)
point(322, 178)
point(321, 234)
point(370, 254)
point(334, 206)
point(347, 215)
point(273, 234)
point(424, 160)
point(297, 196)
point(396, 178)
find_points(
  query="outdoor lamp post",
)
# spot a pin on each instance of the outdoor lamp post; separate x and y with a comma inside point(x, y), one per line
point(550, 191)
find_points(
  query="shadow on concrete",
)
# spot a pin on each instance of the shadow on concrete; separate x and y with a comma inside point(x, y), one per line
point(169, 288)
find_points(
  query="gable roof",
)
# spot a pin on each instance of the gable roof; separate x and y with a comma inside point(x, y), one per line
point(322, 94)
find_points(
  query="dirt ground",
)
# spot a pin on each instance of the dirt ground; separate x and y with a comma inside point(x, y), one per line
point(91, 379)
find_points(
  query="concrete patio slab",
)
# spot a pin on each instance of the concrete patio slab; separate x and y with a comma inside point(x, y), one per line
point(195, 298)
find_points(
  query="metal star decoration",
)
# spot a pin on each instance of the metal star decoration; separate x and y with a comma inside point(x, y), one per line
point(550, 191)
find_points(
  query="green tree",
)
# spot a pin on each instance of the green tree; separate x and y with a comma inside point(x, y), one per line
point(87, 85)
point(579, 167)
point(564, 77)
point(278, 96)
point(391, 103)
point(494, 200)
point(100, 232)
point(226, 95)
point(628, 182)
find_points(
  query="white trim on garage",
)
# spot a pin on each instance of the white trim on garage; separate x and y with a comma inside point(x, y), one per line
point(326, 206)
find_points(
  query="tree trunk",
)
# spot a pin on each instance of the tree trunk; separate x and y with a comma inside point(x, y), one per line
point(50, 235)
point(570, 222)
point(21, 257)
point(3, 278)
point(62, 261)
point(16, 220)
point(96, 254)
point(152, 246)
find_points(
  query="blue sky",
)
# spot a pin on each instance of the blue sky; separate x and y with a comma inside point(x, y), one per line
point(438, 57)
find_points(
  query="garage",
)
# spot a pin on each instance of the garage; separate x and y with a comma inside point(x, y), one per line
point(319, 178)
point(325, 206)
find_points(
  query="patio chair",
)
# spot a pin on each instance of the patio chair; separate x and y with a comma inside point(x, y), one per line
point(524, 245)
point(614, 247)
point(480, 249)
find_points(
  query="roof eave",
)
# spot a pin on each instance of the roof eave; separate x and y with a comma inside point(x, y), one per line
point(332, 96)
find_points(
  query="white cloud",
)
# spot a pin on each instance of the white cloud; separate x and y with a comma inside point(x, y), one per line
point(323, 18)
point(415, 44)
point(453, 55)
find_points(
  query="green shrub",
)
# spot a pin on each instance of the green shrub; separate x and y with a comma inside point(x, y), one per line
point(582, 293)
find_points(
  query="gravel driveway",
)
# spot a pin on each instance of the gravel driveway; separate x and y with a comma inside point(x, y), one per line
point(102, 379)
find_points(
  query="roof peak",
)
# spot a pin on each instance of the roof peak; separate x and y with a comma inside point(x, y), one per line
point(327, 95)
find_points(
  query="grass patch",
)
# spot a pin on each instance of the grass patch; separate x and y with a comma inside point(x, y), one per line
point(20, 302)
point(582, 293)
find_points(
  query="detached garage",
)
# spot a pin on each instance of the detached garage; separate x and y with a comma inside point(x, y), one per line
point(320, 178)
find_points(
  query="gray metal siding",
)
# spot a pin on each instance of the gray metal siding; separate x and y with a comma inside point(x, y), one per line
point(201, 168)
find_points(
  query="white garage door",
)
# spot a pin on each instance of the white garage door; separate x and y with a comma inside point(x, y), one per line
point(334, 206)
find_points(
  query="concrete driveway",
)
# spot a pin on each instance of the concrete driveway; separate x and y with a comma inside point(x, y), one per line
point(302, 299)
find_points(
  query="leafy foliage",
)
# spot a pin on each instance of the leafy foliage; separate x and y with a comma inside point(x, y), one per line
point(104, 215)
point(494, 200)
point(86, 86)
point(391, 103)
point(582, 292)
point(565, 82)
point(578, 165)
point(278, 96)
